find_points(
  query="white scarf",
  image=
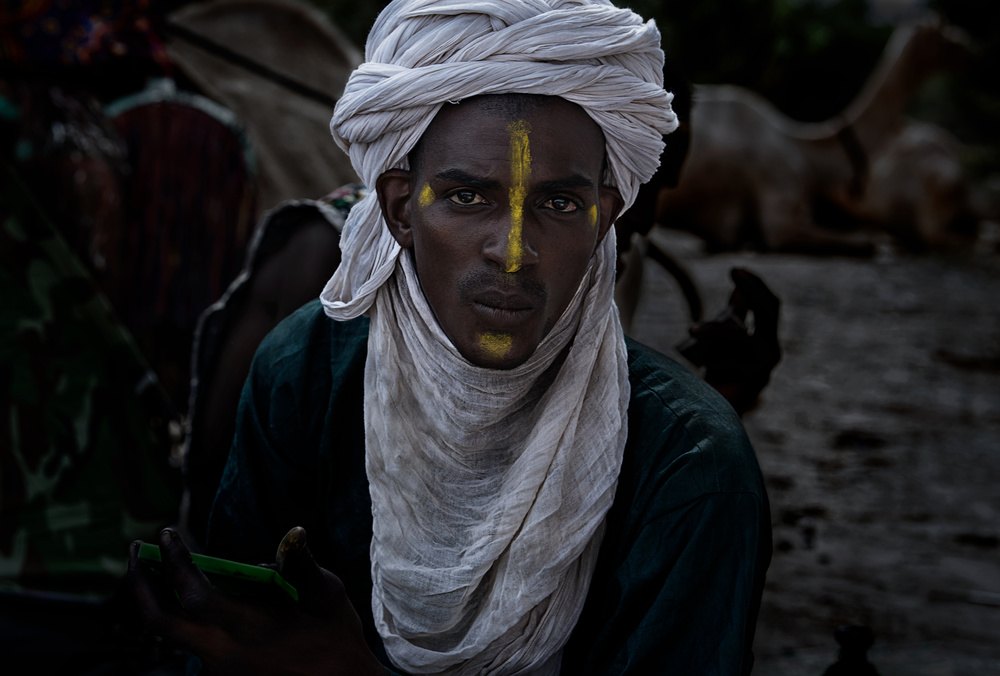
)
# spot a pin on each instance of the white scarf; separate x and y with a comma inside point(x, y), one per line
point(489, 488)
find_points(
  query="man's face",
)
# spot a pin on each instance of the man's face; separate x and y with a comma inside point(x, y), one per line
point(503, 209)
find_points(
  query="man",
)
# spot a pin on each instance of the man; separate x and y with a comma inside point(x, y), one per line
point(502, 484)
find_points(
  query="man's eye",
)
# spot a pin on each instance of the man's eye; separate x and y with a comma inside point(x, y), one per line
point(466, 197)
point(561, 204)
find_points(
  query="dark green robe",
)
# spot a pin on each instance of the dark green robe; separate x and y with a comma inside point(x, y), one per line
point(681, 568)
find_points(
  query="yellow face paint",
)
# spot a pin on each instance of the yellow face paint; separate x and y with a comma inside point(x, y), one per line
point(496, 344)
point(426, 196)
point(593, 216)
point(520, 166)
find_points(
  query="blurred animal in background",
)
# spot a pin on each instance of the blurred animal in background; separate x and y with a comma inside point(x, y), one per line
point(754, 177)
point(632, 228)
point(295, 250)
point(918, 191)
point(737, 349)
point(279, 65)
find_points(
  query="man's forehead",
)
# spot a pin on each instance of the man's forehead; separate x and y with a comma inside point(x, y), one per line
point(513, 106)
point(539, 116)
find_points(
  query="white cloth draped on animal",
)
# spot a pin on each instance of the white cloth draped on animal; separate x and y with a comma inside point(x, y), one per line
point(489, 487)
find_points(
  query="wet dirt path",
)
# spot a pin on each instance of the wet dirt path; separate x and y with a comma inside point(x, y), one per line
point(879, 439)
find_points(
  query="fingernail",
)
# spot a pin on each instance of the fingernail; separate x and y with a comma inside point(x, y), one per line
point(292, 540)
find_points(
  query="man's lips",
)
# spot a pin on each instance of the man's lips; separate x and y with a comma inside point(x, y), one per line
point(500, 300)
point(502, 310)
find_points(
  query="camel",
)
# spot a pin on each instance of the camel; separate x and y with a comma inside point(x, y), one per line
point(918, 191)
point(279, 66)
point(756, 177)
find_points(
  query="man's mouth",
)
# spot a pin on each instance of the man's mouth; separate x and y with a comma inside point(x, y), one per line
point(502, 310)
point(502, 303)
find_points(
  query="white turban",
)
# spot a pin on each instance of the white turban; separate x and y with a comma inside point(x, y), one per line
point(423, 53)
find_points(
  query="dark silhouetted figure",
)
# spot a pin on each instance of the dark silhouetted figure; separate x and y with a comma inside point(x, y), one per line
point(854, 640)
point(738, 348)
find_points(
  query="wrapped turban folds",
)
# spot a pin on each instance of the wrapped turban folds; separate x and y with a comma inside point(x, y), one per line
point(422, 54)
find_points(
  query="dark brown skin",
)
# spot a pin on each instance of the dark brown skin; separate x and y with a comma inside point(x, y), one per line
point(321, 634)
point(460, 235)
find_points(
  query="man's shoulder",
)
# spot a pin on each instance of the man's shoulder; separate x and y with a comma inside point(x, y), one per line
point(680, 426)
point(660, 381)
point(309, 340)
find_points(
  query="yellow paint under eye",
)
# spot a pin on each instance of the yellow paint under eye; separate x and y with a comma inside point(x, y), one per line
point(496, 344)
point(520, 167)
point(592, 212)
point(426, 196)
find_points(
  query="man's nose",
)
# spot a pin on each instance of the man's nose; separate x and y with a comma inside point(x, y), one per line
point(509, 243)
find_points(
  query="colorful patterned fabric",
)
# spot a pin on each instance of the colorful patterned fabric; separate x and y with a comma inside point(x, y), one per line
point(78, 33)
point(345, 197)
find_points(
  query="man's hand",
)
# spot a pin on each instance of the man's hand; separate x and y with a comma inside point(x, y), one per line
point(321, 634)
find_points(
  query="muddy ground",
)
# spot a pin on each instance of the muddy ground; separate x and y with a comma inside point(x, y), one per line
point(879, 440)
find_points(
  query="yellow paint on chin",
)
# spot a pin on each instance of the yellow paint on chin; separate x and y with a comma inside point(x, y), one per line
point(592, 213)
point(426, 196)
point(520, 166)
point(496, 344)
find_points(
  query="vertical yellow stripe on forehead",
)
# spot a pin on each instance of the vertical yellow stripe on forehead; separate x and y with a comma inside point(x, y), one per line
point(426, 196)
point(520, 167)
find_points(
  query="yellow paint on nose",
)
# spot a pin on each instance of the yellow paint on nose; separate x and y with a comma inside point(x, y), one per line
point(520, 167)
point(496, 344)
point(426, 196)
point(593, 215)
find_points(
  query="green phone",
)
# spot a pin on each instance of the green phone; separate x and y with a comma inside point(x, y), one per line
point(239, 579)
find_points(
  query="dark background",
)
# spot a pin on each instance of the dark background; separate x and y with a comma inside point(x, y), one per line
point(809, 57)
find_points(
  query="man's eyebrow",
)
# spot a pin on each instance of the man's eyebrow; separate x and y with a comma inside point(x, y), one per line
point(459, 176)
point(568, 183)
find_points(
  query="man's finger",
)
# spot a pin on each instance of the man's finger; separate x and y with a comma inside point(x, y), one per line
point(141, 586)
point(320, 591)
point(156, 603)
point(296, 564)
point(191, 585)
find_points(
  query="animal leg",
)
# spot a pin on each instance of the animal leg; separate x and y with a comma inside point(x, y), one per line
point(629, 284)
point(787, 226)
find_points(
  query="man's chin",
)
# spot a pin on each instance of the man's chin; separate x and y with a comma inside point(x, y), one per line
point(497, 349)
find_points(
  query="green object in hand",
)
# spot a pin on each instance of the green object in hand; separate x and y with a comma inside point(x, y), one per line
point(239, 579)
